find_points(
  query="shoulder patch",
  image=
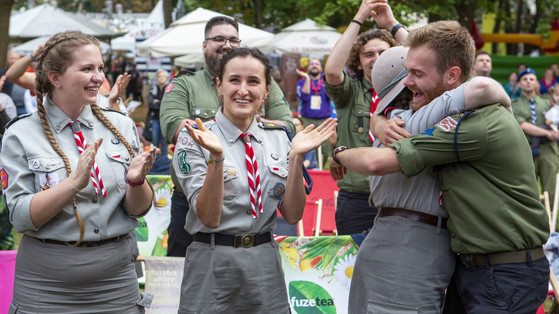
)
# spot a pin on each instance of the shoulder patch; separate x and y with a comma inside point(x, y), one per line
point(169, 88)
point(15, 119)
point(447, 124)
point(271, 126)
point(113, 110)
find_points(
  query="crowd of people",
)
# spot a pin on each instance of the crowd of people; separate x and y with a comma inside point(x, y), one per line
point(418, 136)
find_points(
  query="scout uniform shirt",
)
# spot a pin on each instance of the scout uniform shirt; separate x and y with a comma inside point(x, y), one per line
point(490, 192)
point(353, 105)
point(29, 164)
point(194, 95)
point(271, 149)
point(522, 113)
point(421, 192)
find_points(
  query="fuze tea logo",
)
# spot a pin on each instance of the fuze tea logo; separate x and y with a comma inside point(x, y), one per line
point(307, 297)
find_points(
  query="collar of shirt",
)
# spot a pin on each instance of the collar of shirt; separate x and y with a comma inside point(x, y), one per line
point(232, 133)
point(366, 85)
point(209, 76)
point(58, 119)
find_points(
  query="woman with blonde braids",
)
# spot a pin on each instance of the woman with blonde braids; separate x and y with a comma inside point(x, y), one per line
point(74, 184)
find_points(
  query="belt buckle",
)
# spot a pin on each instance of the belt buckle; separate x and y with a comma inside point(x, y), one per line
point(467, 260)
point(245, 241)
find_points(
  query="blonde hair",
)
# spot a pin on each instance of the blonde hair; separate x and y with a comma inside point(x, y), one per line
point(55, 57)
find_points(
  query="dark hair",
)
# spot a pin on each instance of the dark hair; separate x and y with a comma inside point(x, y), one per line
point(353, 61)
point(219, 20)
point(243, 53)
point(482, 52)
point(451, 42)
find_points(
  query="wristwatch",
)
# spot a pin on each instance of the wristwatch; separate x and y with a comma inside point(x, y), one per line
point(337, 150)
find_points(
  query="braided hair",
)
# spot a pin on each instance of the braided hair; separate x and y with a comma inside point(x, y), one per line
point(55, 57)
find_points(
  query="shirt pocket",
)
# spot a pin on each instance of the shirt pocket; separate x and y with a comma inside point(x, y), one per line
point(120, 162)
point(48, 171)
point(204, 113)
point(278, 180)
point(359, 123)
point(231, 182)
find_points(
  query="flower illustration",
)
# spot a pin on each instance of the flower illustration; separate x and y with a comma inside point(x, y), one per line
point(343, 271)
point(163, 200)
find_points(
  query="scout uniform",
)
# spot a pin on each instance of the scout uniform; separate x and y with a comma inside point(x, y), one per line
point(547, 162)
point(496, 221)
point(353, 104)
point(234, 277)
point(190, 96)
point(51, 276)
point(423, 248)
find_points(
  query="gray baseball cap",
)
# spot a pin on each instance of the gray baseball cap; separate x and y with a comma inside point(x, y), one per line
point(388, 75)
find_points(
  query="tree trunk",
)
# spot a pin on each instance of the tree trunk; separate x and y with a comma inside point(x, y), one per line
point(258, 13)
point(5, 11)
point(167, 12)
point(466, 12)
point(498, 21)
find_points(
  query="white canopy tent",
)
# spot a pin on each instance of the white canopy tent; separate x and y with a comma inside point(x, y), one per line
point(30, 46)
point(141, 30)
point(47, 20)
point(306, 37)
point(185, 36)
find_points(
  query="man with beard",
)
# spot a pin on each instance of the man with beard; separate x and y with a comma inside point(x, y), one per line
point(194, 95)
point(315, 105)
point(497, 224)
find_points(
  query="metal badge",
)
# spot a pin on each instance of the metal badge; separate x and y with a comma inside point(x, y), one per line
point(274, 156)
point(36, 164)
point(76, 127)
point(115, 140)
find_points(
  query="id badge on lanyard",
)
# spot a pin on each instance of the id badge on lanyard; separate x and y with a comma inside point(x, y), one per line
point(316, 102)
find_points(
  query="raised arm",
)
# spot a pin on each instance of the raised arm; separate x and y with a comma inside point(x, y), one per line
point(482, 91)
point(340, 53)
point(382, 13)
point(18, 74)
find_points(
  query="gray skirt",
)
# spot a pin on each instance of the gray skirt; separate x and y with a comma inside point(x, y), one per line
point(55, 278)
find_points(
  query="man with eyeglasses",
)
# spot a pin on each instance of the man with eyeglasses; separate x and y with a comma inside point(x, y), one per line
point(194, 95)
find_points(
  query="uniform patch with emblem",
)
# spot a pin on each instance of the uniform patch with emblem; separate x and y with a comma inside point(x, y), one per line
point(4, 178)
point(183, 165)
point(48, 180)
point(36, 164)
point(169, 88)
point(429, 131)
point(279, 189)
point(447, 124)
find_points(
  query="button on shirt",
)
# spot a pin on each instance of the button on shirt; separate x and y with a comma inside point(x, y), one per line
point(271, 148)
point(31, 164)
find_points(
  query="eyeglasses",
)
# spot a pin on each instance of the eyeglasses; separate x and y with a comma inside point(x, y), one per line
point(220, 40)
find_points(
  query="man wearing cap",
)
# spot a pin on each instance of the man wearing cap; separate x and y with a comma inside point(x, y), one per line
point(496, 222)
point(194, 95)
point(529, 111)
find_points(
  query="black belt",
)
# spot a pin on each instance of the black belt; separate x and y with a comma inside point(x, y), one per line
point(85, 243)
point(238, 240)
point(413, 215)
point(501, 258)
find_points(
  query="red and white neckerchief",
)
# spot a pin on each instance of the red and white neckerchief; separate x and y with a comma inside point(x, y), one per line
point(81, 143)
point(316, 88)
point(253, 177)
point(374, 104)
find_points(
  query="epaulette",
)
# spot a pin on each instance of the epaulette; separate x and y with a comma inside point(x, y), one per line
point(271, 126)
point(184, 72)
point(16, 118)
point(112, 110)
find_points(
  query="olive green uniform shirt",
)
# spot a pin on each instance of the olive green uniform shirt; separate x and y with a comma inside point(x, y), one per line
point(194, 95)
point(490, 193)
point(522, 113)
point(353, 104)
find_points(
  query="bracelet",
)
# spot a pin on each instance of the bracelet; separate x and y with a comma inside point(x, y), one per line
point(211, 161)
point(357, 22)
point(395, 29)
point(133, 184)
point(32, 58)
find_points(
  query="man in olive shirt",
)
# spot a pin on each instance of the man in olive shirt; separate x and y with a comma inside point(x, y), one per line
point(541, 138)
point(352, 98)
point(194, 95)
